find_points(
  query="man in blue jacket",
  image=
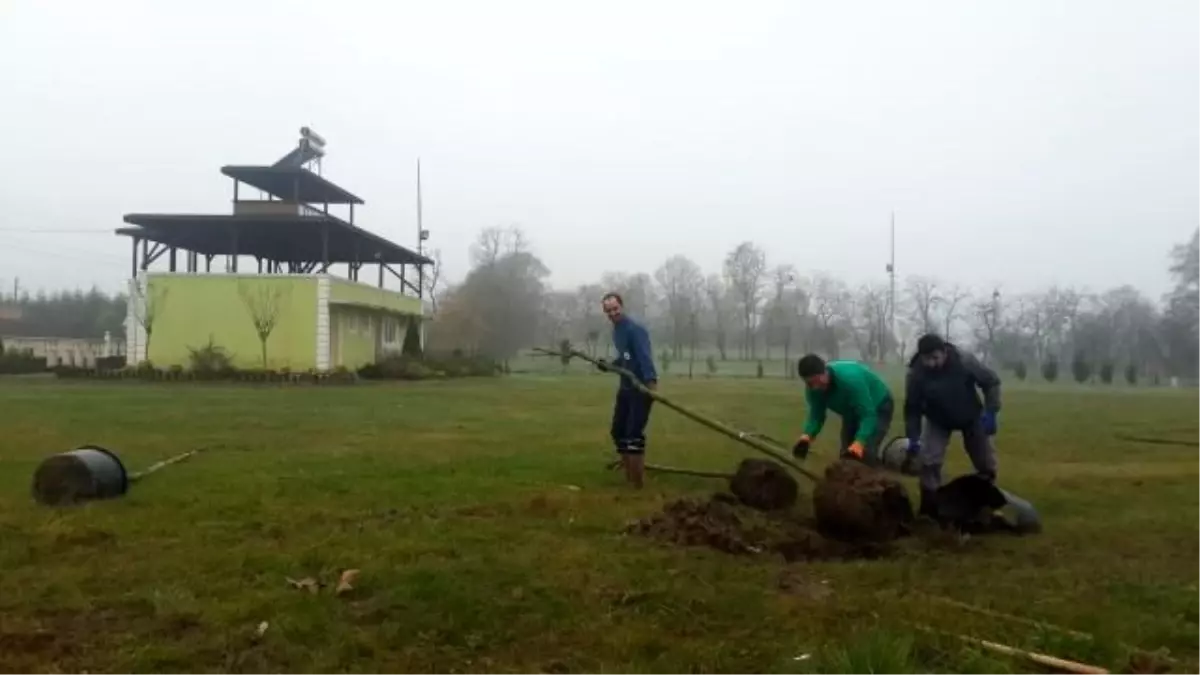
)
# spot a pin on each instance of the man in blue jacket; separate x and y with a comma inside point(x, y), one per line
point(943, 386)
point(632, 409)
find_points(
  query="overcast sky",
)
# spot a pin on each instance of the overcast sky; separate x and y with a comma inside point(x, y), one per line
point(1022, 142)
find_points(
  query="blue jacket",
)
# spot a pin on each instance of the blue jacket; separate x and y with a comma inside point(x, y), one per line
point(634, 353)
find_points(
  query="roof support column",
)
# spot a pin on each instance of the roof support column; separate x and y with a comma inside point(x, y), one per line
point(172, 259)
point(234, 257)
point(381, 274)
point(324, 248)
point(145, 254)
point(134, 268)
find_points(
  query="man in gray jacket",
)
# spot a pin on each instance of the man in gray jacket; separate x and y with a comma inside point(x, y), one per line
point(943, 386)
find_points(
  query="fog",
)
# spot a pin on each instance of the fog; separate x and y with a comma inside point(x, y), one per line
point(1022, 143)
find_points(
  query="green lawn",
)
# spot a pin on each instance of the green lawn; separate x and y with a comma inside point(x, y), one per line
point(490, 539)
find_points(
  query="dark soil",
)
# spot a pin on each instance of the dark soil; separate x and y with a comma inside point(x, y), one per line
point(722, 523)
point(858, 504)
point(764, 485)
point(63, 480)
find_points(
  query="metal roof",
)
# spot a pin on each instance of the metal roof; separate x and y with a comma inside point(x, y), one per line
point(272, 237)
point(292, 184)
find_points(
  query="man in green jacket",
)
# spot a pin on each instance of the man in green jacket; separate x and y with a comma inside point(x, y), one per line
point(855, 392)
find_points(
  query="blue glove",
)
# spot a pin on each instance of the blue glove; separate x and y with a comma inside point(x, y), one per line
point(914, 446)
point(989, 422)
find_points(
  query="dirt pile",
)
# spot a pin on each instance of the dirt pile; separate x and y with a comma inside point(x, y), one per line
point(722, 523)
point(856, 503)
point(764, 485)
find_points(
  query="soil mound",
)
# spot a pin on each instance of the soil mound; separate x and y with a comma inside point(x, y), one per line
point(764, 485)
point(722, 523)
point(856, 503)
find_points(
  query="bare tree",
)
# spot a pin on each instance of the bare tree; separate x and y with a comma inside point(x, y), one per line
point(952, 310)
point(830, 306)
point(147, 306)
point(432, 278)
point(923, 294)
point(744, 268)
point(718, 299)
point(986, 315)
point(492, 243)
point(679, 278)
point(263, 300)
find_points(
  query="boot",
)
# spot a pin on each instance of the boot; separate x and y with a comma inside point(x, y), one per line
point(928, 507)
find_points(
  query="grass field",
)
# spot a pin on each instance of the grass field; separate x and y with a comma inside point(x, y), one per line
point(490, 539)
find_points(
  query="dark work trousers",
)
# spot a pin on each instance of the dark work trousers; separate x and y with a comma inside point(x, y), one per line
point(630, 415)
point(936, 439)
point(883, 421)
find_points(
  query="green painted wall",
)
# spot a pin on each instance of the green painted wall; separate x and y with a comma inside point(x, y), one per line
point(190, 308)
point(352, 293)
point(355, 328)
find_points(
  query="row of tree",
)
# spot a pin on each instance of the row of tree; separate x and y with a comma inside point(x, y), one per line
point(751, 309)
point(72, 314)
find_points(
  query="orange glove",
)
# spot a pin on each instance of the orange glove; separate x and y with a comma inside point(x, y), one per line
point(856, 449)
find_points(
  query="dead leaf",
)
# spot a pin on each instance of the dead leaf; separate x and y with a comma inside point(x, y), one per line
point(574, 488)
point(307, 583)
point(262, 628)
point(346, 583)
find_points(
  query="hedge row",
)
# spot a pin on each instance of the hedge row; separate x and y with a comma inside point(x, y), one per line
point(395, 368)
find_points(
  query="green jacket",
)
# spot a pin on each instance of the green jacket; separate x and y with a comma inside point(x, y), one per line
point(854, 392)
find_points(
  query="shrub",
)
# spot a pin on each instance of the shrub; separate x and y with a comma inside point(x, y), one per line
point(1131, 374)
point(402, 367)
point(1081, 368)
point(21, 361)
point(111, 362)
point(758, 371)
point(1050, 369)
point(1020, 370)
point(711, 362)
point(1106, 372)
point(210, 360)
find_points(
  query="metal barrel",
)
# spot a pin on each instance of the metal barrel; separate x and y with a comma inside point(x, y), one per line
point(86, 473)
point(893, 454)
point(1024, 516)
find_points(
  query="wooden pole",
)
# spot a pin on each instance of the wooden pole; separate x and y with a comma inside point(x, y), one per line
point(749, 439)
point(165, 463)
point(1040, 659)
point(687, 472)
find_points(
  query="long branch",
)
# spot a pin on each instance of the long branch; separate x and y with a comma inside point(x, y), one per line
point(741, 436)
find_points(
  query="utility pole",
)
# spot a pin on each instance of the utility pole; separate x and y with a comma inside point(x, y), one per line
point(420, 226)
point(891, 268)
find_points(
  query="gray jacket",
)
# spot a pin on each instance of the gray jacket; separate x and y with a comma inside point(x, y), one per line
point(949, 396)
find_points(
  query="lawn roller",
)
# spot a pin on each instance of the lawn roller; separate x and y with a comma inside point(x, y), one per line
point(89, 473)
point(969, 500)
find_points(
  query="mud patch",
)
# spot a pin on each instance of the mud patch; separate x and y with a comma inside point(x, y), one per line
point(856, 503)
point(764, 485)
point(724, 524)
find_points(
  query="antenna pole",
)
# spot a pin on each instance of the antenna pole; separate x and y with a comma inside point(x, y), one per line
point(892, 275)
point(420, 224)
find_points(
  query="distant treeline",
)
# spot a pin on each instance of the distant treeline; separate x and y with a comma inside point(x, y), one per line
point(73, 314)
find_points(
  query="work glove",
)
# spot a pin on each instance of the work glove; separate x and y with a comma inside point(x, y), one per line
point(800, 449)
point(989, 422)
point(856, 450)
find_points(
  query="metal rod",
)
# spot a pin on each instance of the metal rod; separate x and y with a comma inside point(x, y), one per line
point(719, 427)
point(159, 465)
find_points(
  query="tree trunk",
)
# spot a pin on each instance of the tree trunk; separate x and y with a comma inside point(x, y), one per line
point(263, 340)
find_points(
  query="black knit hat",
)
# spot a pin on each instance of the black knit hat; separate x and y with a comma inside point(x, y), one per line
point(809, 365)
point(930, 343)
